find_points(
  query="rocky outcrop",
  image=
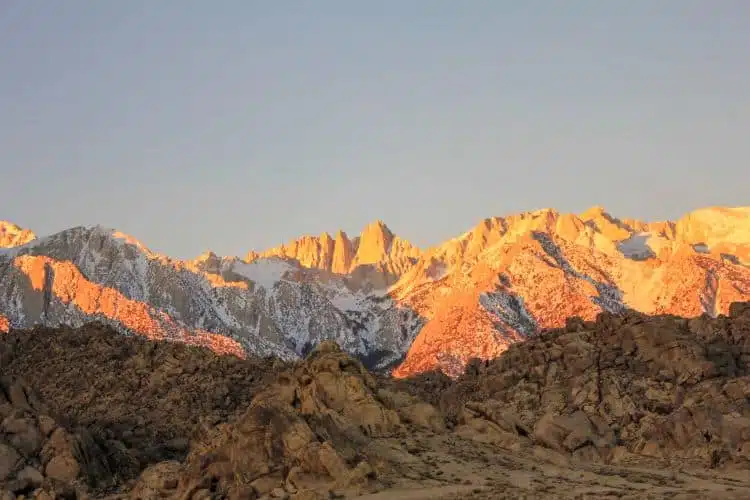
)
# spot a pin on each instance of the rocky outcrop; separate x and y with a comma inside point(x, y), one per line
point(311, 432)
point(376, 255)
point(36, 454)
point(144, 393)
point(313, 427)
point(621, 389)
point(618, 406)
point(12, 235)
point(112, 405)
point(341, 261)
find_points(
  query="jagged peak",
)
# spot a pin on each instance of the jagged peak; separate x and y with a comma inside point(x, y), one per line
point(374, 243)
point(251, 256)
point(8, 226)
point(206, 255)
point(341, 235)
point(377, 224)
point(377, 229)
point(376, 237)
point(542, 212)
point(84, 234)
point(325, 237)
point(12, 235)
point(594, 211)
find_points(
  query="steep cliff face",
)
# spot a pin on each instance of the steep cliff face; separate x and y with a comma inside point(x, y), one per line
point(380, 297)
point(376, 257)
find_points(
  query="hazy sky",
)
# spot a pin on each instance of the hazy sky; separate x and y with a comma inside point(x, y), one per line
point(240, 124)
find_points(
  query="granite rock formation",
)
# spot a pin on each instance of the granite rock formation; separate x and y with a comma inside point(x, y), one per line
point(386, 302)
point(624, 406)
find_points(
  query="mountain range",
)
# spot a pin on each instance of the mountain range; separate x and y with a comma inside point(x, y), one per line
point(393, 305)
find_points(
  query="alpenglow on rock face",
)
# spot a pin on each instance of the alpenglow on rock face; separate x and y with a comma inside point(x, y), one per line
point(12, 235)
point(269, 306)
point(382, 299)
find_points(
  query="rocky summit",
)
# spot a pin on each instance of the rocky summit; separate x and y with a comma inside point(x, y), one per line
point(625, 405)
point(395, 307)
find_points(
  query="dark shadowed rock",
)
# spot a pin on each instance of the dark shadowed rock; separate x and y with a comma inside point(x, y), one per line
point(661, 387)
point(618, 404)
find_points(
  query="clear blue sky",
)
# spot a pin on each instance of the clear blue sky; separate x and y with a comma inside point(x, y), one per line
point(239, 124)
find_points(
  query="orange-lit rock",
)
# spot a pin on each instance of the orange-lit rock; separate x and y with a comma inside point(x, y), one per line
point(12, 235)
point(561, 265)
point(70, 287)
point(381, 297)
point(376, 246)
point(343, 253)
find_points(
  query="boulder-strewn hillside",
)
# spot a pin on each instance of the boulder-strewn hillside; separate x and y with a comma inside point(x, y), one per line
point(379, 297)
point(626, 406)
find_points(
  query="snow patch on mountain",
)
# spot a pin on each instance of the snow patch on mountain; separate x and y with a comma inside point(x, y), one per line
point(701, 248)
point(636, 247)
point(344, 300)
point(610, 297)
point(510, 309)
point(265, 273)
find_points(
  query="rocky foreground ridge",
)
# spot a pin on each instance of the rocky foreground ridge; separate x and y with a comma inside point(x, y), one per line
point(383, 300)
point(624, 406)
